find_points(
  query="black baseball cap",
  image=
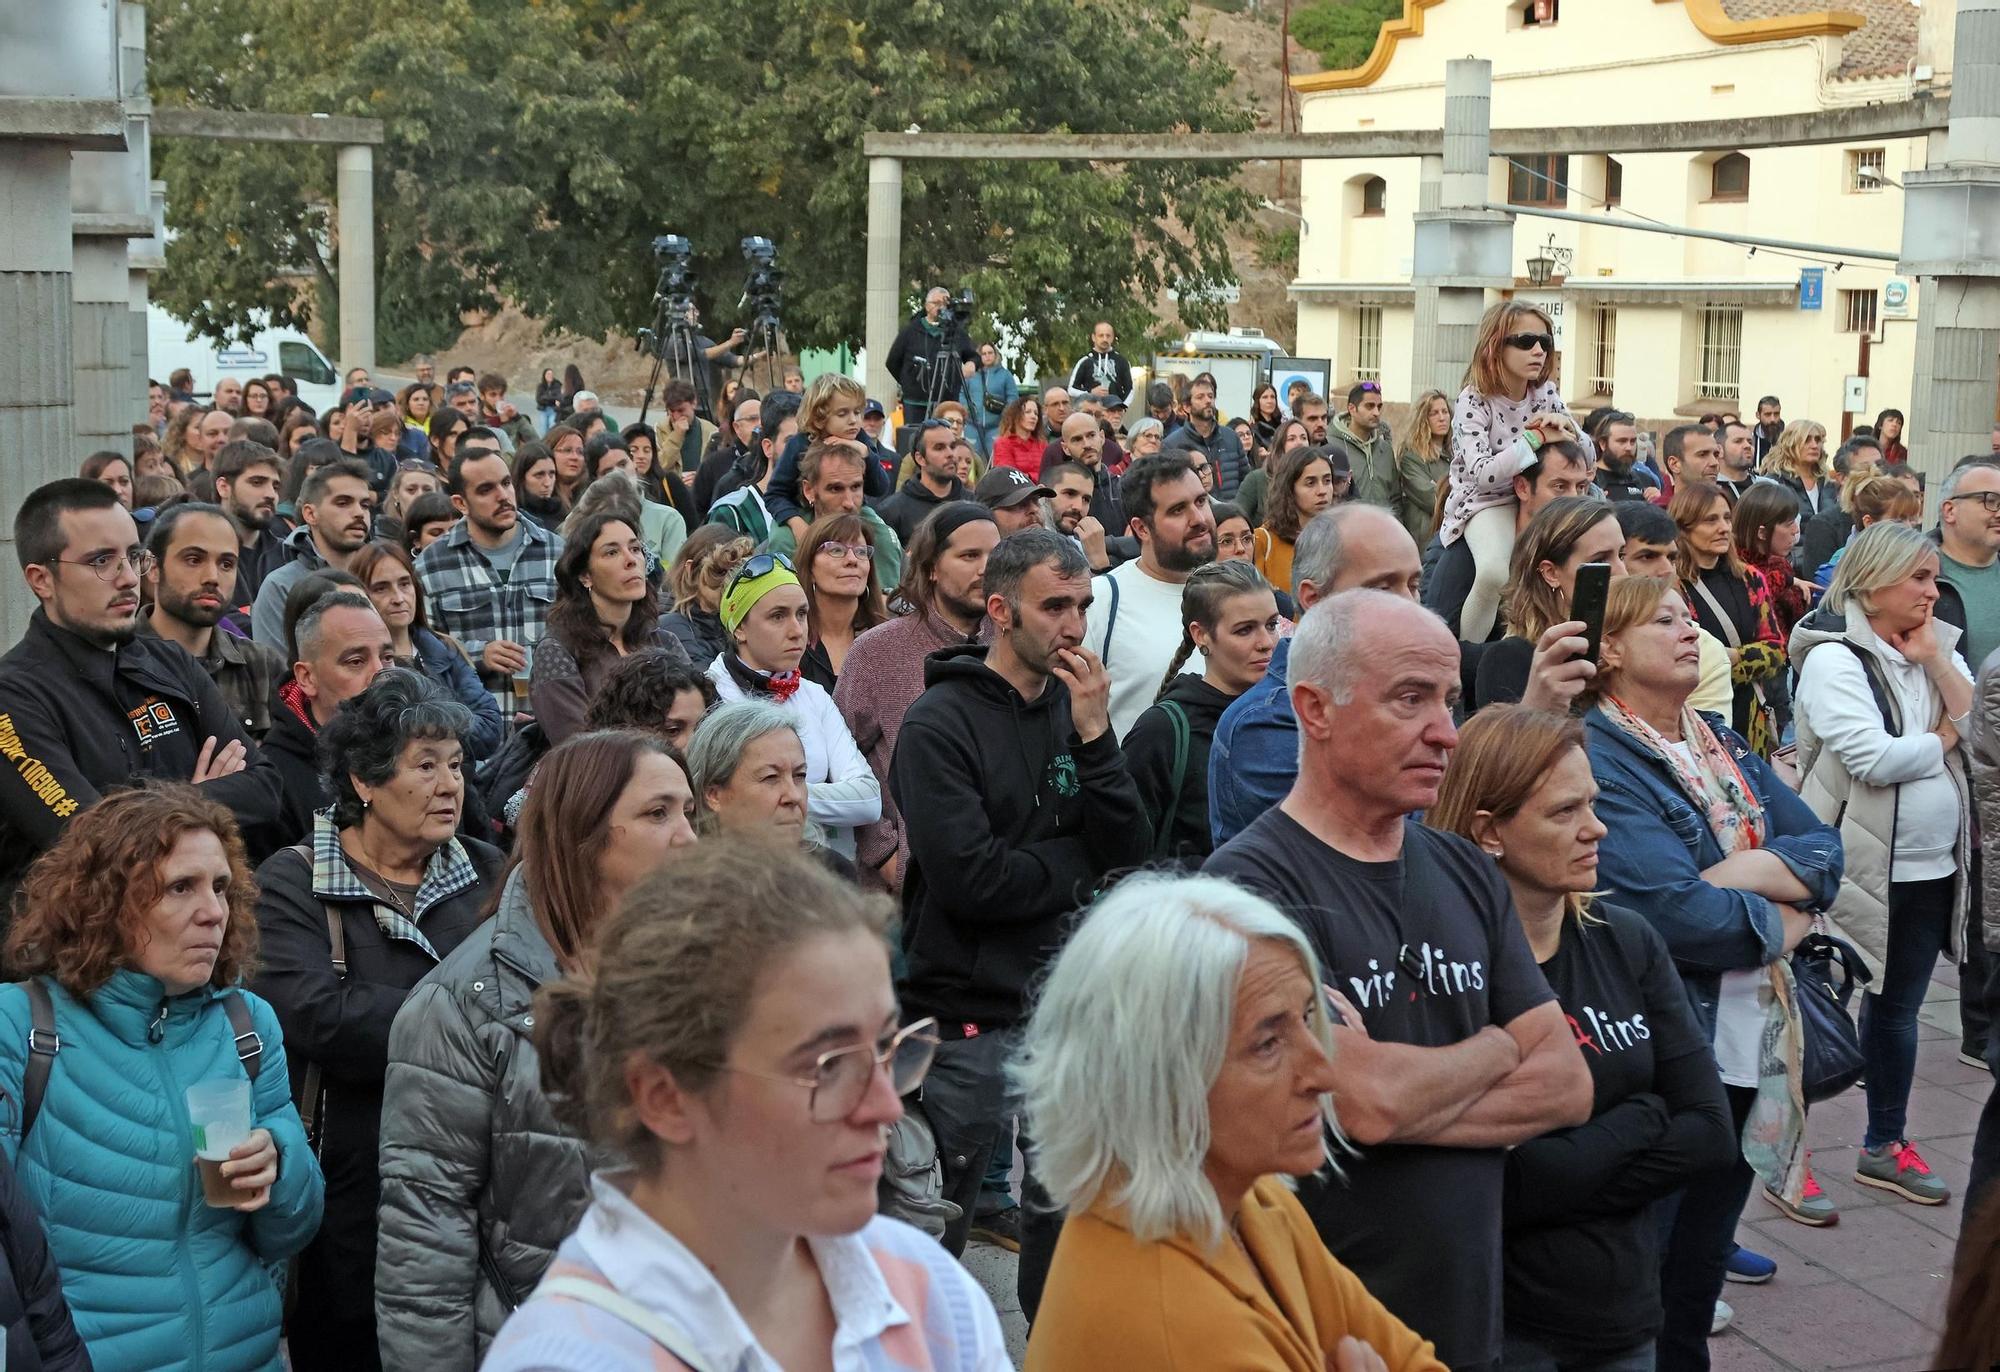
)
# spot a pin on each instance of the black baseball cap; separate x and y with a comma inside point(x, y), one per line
point(1003, 488)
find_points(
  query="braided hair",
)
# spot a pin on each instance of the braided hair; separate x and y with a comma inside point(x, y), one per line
point(1209, 587)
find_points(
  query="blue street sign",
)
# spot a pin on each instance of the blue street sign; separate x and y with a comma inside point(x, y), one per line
point(1812, 287)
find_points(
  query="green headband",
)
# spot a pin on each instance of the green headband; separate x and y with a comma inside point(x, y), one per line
point(742, 594)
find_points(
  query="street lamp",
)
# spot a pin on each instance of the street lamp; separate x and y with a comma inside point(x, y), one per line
point(1549, 263)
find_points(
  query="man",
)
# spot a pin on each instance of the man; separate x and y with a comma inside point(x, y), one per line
point(1560, 469)
point(1312, 413)
point(1739, 458)
point(1652, 548)
point(1082, 442)
point(489, 582)
point(1371, 460)
point(156, 407)
point(356, 376)
point(1618, 474)
point(1055, 410)
point(1205, 433)
point(229, 396)
point(936, 481)
point(341, 644)
point(1254, 757)
point(733, 446)
point(874, 419)
point(1066, 509)
point(1160, 406)
point(1103, 370)
point(1690, 453)
point(87, 705)
point(195, 559)
point(685, 435)
point(795, 381)
point(425, 368)
point(739, 499)
point(337, 509)
point(1770, 427)
point(1968, 539)
point(1013, 499)
point(943, 596)
point(209, 433)
point(1135, 616)
point(714, 361)
point(1016, 804)
point(461, 374)
point(831, 478)
point(463, 396)
point(921, 358)
point(357, 439)
point(496, 413)
point(1115, 407)
point(246, 486)
point(1828, 531)
point(1450, 1047)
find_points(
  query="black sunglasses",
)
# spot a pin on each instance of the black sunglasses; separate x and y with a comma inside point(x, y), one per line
point(763, 564)
point(1524, 341)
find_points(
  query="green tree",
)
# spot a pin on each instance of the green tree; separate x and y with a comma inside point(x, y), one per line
point(535, 147)
point(1343, 32)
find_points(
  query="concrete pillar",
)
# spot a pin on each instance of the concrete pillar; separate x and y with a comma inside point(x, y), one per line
point(1430, 183)
point(37, 425)
point(1462, 249)
point(356, 189)
point(144, 257)
point(101, 330)
point(885, 272)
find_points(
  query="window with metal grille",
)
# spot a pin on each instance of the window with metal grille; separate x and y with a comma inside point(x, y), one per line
point(1865, 169)
point(1374, 196)
point(1368, 343)
point(1721, 354)
point(1858, 311)
point(1603, 348)
point(1729, 178)
point(1538, 179)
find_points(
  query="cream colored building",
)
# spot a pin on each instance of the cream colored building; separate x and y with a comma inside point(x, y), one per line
point(1665, 327)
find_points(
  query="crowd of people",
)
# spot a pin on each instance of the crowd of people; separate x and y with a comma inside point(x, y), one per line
point(659, 893)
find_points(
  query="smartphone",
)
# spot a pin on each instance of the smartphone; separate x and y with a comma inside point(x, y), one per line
point(1586, 602)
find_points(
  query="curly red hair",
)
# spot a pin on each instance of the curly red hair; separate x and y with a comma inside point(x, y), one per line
point(84, 904)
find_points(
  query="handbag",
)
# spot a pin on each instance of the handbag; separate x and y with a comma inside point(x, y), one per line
point(1826, 970)
point(993, 405)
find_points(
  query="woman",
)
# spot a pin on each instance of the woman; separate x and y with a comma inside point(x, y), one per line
point(1020, 444)
point(1727, 865)
point(480, 1180)
point(747, 764)
point(1798, 461)
point(181, 442)
point(1145, 438)
point(428, 519)
point(298, 426)
point(256, 399)
point(136, 927)
point(1254, 491)
point(1308, 481)
point(548, 398)
point(679, 1054)
point(566, 444)
point(1172, 1153)
point(763, 611)
point(1235, 539)
point(389, 575)
point(535, 485)
point(655, 691)
point(694, 583)
point(1266, 415)
point(843, 601)
point(604, 608)
point(1582, 1260)
point(1423, 456)
point(413, 479)
point(987, 394)
point(383, 870)
point(1864, 501)
point(1565, 534)
point(113, 470)
point(1765, 528)
point(447, 427)
point(1889, 429)
point(612, 485)
point(1731, 601)
point(1229, 613)
point(1880, 722)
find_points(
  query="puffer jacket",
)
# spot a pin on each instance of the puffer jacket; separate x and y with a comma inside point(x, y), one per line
point(472, 1156)
point(1983, 745)
point(154, 1276)
point(37, 1333)
point(1865, 813)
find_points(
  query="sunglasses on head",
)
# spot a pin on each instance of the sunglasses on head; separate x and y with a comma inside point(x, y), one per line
point(763, 564)
point(1524, 341)
point(1373, 388)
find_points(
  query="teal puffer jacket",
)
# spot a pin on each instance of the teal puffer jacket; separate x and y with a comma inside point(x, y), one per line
point(156, 1279)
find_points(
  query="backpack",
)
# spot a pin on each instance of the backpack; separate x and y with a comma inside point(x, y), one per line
point(1177, 717)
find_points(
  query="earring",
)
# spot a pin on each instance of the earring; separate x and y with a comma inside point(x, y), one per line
point(365, 802)
point(1495, 850)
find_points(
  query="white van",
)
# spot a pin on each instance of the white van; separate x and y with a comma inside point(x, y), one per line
point(286, 352)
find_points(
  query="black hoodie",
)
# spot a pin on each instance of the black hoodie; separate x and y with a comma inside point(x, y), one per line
point(1013, 824)
point(1149, 754)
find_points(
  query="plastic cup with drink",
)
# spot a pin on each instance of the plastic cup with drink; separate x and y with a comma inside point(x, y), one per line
point(219, 1111)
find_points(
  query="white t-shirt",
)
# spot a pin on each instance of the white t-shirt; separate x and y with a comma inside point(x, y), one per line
point(1144, 638)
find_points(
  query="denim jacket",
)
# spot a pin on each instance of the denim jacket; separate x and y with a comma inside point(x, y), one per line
point(1657, 845)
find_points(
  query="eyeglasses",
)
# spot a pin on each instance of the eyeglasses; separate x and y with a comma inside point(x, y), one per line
point(106, 565)
point(842, 1077)
point(763, 564)
point(1989, 501)
point(1524, 341)
point(852, 552)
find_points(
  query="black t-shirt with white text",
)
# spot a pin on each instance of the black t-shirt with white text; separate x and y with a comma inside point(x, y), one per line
point(1419, 1225)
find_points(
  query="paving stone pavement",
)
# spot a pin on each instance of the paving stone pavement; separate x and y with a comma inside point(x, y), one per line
point(1866, 1295)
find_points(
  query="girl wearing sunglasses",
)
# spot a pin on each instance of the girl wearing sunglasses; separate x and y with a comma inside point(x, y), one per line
point(1508, 407)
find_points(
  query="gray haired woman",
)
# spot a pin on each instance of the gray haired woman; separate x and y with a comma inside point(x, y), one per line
point(748, 768)
point(350, 920)
point(1185, 1245)
point(1145, 437)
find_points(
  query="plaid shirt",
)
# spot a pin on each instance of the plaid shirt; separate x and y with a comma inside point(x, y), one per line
point(450, 871)
point(464, 599)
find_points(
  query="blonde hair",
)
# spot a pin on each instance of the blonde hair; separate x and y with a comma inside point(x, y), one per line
point(1878, 497)
point(1881, 556)
point(1630, 602)
point(1417, 436)
point(1484, 375)
point(1783, 458)
point(821, 392)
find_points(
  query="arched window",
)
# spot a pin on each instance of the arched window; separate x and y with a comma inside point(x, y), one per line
point(1729, 178)
point(1374, 195)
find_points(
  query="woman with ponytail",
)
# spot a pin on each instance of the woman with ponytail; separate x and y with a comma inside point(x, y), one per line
point(1230, 613)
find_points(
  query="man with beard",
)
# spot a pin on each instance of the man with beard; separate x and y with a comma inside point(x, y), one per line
point(86, 704)
point(1739, 465)
point(1312, 412)
point(1103, 370)
point(1014, 500)
point(930, 358)
point(337, 507)
point(1205, 432)
point(246, 486)
point(340, 646)
point(942, 604)
point(195, 561)
point(1067, 511)
point(936, 480)
point(1135, 618)
point(1770, 427)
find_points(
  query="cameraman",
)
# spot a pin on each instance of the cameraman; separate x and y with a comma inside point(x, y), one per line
point(928, 343)
point(717, 359)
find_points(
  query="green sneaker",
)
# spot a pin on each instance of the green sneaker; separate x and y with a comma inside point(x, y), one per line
point(1814, 1206)
point(1898, 1167)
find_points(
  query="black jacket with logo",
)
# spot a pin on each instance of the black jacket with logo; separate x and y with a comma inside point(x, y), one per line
point(77, 721)
point(1013, 824)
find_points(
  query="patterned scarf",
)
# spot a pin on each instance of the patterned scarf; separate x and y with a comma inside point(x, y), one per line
point(779, 686)
point(1711, 780)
